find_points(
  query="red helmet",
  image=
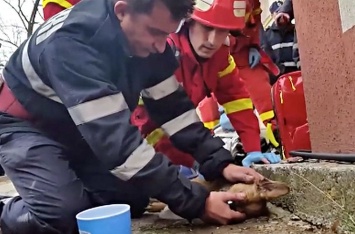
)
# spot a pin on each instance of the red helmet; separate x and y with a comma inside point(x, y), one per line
point(226, 14)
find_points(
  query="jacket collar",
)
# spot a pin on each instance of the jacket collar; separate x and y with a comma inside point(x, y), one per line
point(121, 36)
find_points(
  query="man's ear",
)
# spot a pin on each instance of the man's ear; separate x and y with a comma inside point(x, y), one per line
point(272, 189)
point(120, 9)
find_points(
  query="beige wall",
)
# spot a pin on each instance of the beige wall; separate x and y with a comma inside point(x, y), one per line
point(265, 7)
point(327, 44)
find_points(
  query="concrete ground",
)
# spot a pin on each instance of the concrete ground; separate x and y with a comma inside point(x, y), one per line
point(281, 222)
point(322, 199)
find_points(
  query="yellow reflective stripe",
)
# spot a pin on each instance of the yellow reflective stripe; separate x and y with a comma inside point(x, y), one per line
point(228, 69)
point(254, 12)
point(211, 124)
point(140, 102)
point(247, 16)
point(155, 136)
point(238, 105)
point(257, 11)
point(267, 115)
point(292, 85)
point(63, 3)
point(283, 153)
point(281, 97)
point(270, 135)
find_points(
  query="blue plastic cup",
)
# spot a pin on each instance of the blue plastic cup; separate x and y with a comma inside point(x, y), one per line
point(109, 219)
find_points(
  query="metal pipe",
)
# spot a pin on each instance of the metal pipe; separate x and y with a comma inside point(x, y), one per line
point(307, 154)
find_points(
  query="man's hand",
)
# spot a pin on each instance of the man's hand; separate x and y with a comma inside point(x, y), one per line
point(218, 211)
point(254, 57)
point(282, 18)
point(256, 157)
point(234, 173)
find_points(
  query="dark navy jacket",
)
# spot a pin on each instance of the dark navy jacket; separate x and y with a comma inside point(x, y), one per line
point(287, 7)
point(75, 73)
point(278, 43)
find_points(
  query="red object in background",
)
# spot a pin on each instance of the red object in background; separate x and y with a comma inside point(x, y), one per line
point(53, 7)
point(209, 113)
point(290, 110)
point(226, 14)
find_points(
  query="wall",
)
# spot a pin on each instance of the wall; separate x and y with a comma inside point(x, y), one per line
point(326, 36)
point(265, 7)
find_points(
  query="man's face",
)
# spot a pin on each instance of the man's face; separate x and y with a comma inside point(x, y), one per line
point(146, 33)
point(206, 40)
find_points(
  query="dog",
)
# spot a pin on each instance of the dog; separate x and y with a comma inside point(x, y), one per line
point(257, 195)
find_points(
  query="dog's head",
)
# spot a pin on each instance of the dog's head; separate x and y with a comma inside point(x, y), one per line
point(258, 194)
point(264, 190)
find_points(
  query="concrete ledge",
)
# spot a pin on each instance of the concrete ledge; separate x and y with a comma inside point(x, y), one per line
point(323, 194)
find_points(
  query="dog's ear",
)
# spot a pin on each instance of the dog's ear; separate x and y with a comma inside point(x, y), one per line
point(272, 189)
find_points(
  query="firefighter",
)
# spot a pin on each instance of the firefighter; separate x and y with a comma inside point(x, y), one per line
point(284, 16)
point(52, 7)
point(285, 12)
point(278, 43)
point(65, 136)
point(208, 73)
point(254, 66)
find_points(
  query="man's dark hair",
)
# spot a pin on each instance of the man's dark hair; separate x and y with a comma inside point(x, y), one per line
point(179, 9)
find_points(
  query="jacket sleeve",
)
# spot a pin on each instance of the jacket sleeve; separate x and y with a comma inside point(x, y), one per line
point(233, 96)
point(287, 8)
point(79, 75)
point(265, 45)
point(169, 106)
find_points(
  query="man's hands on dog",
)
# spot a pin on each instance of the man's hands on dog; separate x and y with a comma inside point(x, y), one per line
point(218, 211)
point(234, 173)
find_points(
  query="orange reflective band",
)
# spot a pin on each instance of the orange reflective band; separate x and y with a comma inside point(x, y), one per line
point(63, 3)
point(155, 136)
point(211, 124)
point(228, 69)
point(270, 135)
point(267, 115)
point(238, 105)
